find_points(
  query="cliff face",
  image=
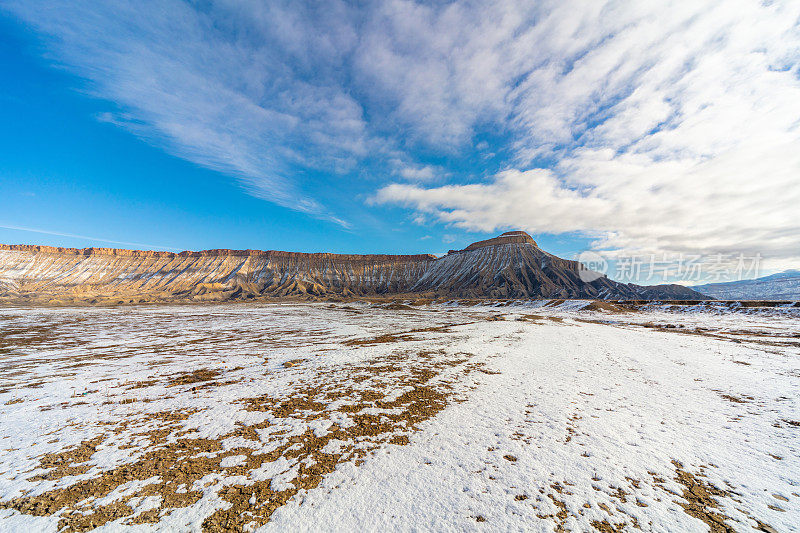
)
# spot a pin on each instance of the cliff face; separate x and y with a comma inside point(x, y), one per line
point(37, 272)
point(508, 266)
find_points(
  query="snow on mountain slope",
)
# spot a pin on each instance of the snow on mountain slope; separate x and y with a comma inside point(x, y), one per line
point(213, 274)
point(513, 271)
point(508, 266)
point(781, 286)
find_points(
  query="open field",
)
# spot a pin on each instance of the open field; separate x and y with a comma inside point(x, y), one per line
point(358, 416)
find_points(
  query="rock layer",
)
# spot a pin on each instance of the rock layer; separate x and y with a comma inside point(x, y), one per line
point(508, 266)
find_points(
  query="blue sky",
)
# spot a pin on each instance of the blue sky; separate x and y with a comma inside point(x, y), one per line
point(625, 128)
point(83, 181)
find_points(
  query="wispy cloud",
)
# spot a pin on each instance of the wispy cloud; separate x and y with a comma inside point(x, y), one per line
point(87, 238)
point(652, 125)
point(418, 173)
point(228, 86)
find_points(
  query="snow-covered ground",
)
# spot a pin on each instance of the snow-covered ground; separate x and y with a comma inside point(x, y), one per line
point(334, 417)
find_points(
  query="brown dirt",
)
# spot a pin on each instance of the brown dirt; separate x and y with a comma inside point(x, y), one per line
point(67, 462)
point(197, 376)
point(606, 527)
point(737, 399)
point(380, 339)
point(608, 307)
point(700, 502)
point(404, 335)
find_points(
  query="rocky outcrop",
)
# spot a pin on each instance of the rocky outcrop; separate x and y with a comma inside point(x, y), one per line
point(508, 266)
point(509, 237)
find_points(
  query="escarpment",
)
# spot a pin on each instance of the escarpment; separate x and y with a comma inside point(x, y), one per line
point(508, 266)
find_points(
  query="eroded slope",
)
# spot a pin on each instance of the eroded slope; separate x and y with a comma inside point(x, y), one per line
point(508, 266)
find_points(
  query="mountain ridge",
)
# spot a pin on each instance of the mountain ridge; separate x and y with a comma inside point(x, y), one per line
point(508, 266)
point(779, 286)
point(125, 252)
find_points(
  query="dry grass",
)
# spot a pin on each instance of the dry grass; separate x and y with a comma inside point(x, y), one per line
point(176, 462)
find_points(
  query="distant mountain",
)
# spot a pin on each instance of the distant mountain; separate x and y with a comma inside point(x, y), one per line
point(508, 266)
point(781, 286)
point(667, 292)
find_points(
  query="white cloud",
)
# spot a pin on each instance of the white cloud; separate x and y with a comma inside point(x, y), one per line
point(675, 128)
point(535, 198)
point(424, 173)
point(414, 172)
point(667, 126)
point(241, 88)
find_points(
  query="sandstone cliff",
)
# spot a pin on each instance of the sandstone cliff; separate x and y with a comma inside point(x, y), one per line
point(508, 266)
